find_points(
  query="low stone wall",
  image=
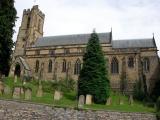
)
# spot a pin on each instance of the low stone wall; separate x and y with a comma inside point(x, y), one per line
point(12, 110)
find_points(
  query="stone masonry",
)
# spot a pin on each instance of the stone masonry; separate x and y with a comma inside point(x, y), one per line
point(13, 110)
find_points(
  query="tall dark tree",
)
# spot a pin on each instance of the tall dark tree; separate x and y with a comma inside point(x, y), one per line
point(7, 22)
point(93, 77)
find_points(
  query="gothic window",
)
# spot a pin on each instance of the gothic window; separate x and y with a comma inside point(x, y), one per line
point(37, 66)
point(79, 50)
point(28, 22)
point(50, 66)
point(39, 25)
point(114, 66)
point(66, 51)
point(64, 66)
point(130, 62)
point(146, 64)
point(37, 52)
point(51, 52)
point(77, 67)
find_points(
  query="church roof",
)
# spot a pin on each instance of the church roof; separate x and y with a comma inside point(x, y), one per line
point(71, 39)
point(134, 43)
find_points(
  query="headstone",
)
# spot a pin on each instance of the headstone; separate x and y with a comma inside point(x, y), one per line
point(88, 99)
point(15, 78)
point(120, 101)
point(1, 87)
point(81, 101)
point(39, 91)
point(17, 93)
point(7, 90)
point(28, 94)
point(131, 99)
point(57, 95)
point(109, 101)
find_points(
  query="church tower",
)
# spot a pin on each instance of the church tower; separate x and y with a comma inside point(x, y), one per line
point(30, 30)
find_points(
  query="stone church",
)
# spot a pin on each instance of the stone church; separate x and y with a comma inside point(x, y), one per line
point(61, 57)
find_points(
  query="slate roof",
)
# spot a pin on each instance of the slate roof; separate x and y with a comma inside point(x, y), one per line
point(134, 43)
point(70, 39)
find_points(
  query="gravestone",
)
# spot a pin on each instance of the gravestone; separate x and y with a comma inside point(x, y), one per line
point(121, 101)
point(15, 78)
point(109, 101)
point(1, 87)
point(88, 99)
point(39, 91)
point(81, 101)
point(7, 90)
point(17, 93)
point(28, 94)
point(131, 99)
point(57, 95)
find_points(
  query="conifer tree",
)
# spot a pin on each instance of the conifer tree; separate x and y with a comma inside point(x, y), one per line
point(93, 77)
point(7, 22)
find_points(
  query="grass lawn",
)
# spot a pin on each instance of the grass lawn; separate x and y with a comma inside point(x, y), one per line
point(69, 99)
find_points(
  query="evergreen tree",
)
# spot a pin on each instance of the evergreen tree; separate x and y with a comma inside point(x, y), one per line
point(93, 76)
point(7, 22)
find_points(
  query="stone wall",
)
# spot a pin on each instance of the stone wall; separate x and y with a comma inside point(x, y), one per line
point(12, 110)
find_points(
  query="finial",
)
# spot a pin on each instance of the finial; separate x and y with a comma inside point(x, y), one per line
point(153, 35)
point(94, 30)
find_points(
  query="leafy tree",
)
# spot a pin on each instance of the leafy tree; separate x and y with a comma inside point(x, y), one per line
point(93, 77)
point(7, 22)
point(156, 90)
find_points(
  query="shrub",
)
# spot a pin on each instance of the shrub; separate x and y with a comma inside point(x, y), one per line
point(138, 92)
point(158, 104)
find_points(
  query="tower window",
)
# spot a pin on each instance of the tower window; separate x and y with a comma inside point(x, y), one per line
point(37, 52)
point(39, 25)
point(51, 52)
point(28, 22)
point(114, 66)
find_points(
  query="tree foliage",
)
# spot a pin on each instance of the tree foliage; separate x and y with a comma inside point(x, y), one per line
point(93, 77)
point(7, 22)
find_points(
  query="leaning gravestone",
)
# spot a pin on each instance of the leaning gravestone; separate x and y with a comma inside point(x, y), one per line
point(109, 101)
point(39, 91)
point(1, 87)
point(120, 101)
point(15, 78)
point(81, 101)
point(7, 90)
point(88, 99)
point(131, 99)
point(17, 92)
point(28, 94)
point(57, 95)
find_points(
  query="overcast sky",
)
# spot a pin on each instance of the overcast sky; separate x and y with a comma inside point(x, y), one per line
point(128, 18)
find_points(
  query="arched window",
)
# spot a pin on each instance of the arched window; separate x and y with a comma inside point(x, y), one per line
point(50, 66)
point(64, 66)
point(146, 64)
point(77, 67)
point(39, 25)
point(37, 66)
point(114, 66)
point(130, 62)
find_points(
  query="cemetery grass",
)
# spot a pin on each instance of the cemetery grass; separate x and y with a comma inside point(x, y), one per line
point(70, 100)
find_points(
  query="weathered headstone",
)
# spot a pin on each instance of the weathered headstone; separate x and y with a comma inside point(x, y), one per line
point(17, 93)
point(1, 87)
point(120, 101)
point(15, 78)
point(57, 95)
point(109, 101)
point(81, 101)
point(7, 90)
point(39, 91)
point(28, 94)
point(131, 99)
point(88, 99)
